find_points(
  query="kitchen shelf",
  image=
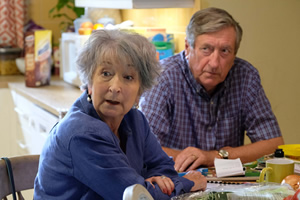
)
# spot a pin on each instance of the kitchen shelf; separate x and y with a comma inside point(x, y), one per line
point(130, 4)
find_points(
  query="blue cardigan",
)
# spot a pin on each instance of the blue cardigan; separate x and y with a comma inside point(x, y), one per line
point(82, 158)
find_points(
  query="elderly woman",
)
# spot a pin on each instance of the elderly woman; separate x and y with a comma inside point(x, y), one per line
point(103, 145)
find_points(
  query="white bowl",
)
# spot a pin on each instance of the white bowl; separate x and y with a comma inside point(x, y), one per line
point(20, 62)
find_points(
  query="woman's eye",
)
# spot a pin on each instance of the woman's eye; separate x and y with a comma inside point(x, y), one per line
point(106, 73)
point(129, 77)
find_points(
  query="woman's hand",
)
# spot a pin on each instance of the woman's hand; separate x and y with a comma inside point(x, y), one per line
point(199, 180)
point(165, 184)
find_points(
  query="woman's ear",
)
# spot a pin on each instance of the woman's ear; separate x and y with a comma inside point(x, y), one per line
point(89, 89)
point(89, 94)
point(137, 100)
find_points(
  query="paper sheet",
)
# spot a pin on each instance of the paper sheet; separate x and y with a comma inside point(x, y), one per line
point(228, 167)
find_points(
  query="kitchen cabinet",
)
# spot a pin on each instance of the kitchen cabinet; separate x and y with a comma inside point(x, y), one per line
point(7, 117)
point(27, 125)
point(38, 110)
point(129, 4)
point(35, 124)
point(28, 114)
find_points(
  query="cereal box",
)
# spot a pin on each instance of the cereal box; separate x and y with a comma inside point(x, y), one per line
point(38, 59)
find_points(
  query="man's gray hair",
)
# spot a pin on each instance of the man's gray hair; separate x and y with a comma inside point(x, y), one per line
point(211, 20)
point(118, 47)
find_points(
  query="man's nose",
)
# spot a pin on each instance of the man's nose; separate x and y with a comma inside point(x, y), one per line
point(214, 59)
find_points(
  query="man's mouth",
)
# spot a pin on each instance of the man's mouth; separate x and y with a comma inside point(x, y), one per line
point(212, 73)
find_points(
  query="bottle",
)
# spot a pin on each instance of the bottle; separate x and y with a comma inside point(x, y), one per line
point(278, 153)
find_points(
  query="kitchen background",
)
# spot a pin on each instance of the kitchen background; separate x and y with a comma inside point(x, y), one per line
point(270, 42)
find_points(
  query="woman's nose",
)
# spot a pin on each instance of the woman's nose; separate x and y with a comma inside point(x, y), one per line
point(115, 85)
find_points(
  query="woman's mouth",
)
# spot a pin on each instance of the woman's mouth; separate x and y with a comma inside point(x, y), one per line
point(112, 102)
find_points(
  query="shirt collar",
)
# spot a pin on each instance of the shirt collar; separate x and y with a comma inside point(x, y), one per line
point(88, 106)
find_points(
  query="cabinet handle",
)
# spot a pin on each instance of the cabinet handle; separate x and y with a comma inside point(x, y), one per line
point(43, 131)
point(22, 145)
point(19, 111)
point(24, 117)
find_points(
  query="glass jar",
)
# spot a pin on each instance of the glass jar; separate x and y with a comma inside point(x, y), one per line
point(8, 57)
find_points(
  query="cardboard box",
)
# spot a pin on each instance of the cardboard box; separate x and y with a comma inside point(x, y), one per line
point(38, 59)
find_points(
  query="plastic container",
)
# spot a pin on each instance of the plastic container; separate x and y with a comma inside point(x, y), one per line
point(77, 22)
point(165, 49)
point(106, 20)
point(170, 38)
point(8, 57)
point(291, 151)
point(204, 172)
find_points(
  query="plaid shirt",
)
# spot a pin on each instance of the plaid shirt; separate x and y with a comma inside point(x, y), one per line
point(181, 113)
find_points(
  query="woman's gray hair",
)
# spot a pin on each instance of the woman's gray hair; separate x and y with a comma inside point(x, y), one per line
point(118, 47)
point(211, 20)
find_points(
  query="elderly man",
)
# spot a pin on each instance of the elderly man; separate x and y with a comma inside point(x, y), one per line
point(207, 98)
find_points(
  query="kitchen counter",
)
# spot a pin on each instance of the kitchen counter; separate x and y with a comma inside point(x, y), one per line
point(55, 98)
point(4, 80)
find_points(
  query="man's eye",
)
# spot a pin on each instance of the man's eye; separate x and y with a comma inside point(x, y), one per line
point(226, 51)
point(206, 50)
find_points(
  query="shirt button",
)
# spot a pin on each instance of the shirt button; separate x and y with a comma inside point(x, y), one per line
point(209, 128)
point(211, 102)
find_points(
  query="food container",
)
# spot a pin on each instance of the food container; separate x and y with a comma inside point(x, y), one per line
point(291, 151)
point(165, 49)
point(38, 61)
point(8, 57)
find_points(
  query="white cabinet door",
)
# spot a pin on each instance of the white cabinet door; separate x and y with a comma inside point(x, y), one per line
point(35, 124)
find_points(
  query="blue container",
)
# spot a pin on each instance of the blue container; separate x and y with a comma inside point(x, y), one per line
point(165, 49)
point(204, 172)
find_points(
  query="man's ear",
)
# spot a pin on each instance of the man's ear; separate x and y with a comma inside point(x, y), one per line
point(187, 49)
